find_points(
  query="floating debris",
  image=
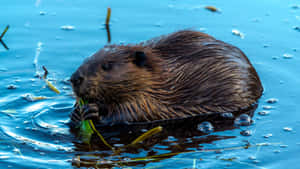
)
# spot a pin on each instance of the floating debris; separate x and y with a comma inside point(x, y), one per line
point(268, 135)
point(67, 27)
point(238, 33)
point(264, 113)
point(287, 129)
point(272, 100)
point(1, 36)
point(246, 133)
point(243, 120)
point(31, 98)
point(212, 9)
point(205, 127)
point(146, 135)
point(49, 84)
point(287, 56)
point(11, 86)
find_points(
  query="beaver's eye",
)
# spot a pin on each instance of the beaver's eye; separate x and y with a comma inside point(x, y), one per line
point(140, 58)
point(107, 66)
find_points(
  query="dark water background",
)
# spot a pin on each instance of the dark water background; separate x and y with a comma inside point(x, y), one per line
point(35, 135)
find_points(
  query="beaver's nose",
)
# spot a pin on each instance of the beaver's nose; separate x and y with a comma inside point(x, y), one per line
point(77, 78)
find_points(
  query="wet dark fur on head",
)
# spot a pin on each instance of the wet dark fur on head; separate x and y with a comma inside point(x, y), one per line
point(184, 74)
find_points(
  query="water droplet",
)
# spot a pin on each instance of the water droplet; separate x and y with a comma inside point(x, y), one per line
point(227, 115)
point(243, 120)
point(246, 133)
point(264, 113)
point(118, 145)
point(272, 100)
point(144, 130)
point(205, 127)
point(287, 129)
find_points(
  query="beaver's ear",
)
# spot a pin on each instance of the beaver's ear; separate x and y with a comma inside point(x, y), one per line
point(140, 58)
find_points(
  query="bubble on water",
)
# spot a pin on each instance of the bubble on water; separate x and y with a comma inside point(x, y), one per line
point(246, 132)
point(287, 129)
point(205, 127)
point(267, 107)
point(276, 151)
point(295, 6)
point(67, 27)
point(42, 13)
point(272, 100)
point(227, 115)
point(264, 113)
point(238, 33)
point(3, 69)
point(11, 86)
point(287, 56)
point(283, 146)
point(252, 158)
point(268, 135)
point(243, 120)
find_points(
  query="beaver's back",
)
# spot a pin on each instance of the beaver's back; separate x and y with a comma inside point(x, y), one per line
point(208, 74)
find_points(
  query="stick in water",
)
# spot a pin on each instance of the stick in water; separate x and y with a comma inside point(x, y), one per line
point(1, 36)
point(107, 25)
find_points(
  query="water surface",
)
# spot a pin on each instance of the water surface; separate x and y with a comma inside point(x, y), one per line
point(35, 134)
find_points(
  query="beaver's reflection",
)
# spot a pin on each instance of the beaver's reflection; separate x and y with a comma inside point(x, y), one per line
point(176, 137)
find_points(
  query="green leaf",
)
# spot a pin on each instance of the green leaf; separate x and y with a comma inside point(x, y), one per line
point(86, 131)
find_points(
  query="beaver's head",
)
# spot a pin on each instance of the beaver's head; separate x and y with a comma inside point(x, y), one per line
point(116, 74)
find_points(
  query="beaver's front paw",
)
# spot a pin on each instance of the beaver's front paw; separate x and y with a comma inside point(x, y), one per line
point(90, 112)
point(75, 117)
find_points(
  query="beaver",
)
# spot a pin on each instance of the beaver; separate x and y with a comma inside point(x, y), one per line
point(181, 75)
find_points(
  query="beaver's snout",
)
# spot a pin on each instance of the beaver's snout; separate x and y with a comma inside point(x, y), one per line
point(77, 79)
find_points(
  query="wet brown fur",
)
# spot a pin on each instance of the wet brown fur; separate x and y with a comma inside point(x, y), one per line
point(187, 73)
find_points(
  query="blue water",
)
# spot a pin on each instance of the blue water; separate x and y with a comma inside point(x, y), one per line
point(35, 134)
